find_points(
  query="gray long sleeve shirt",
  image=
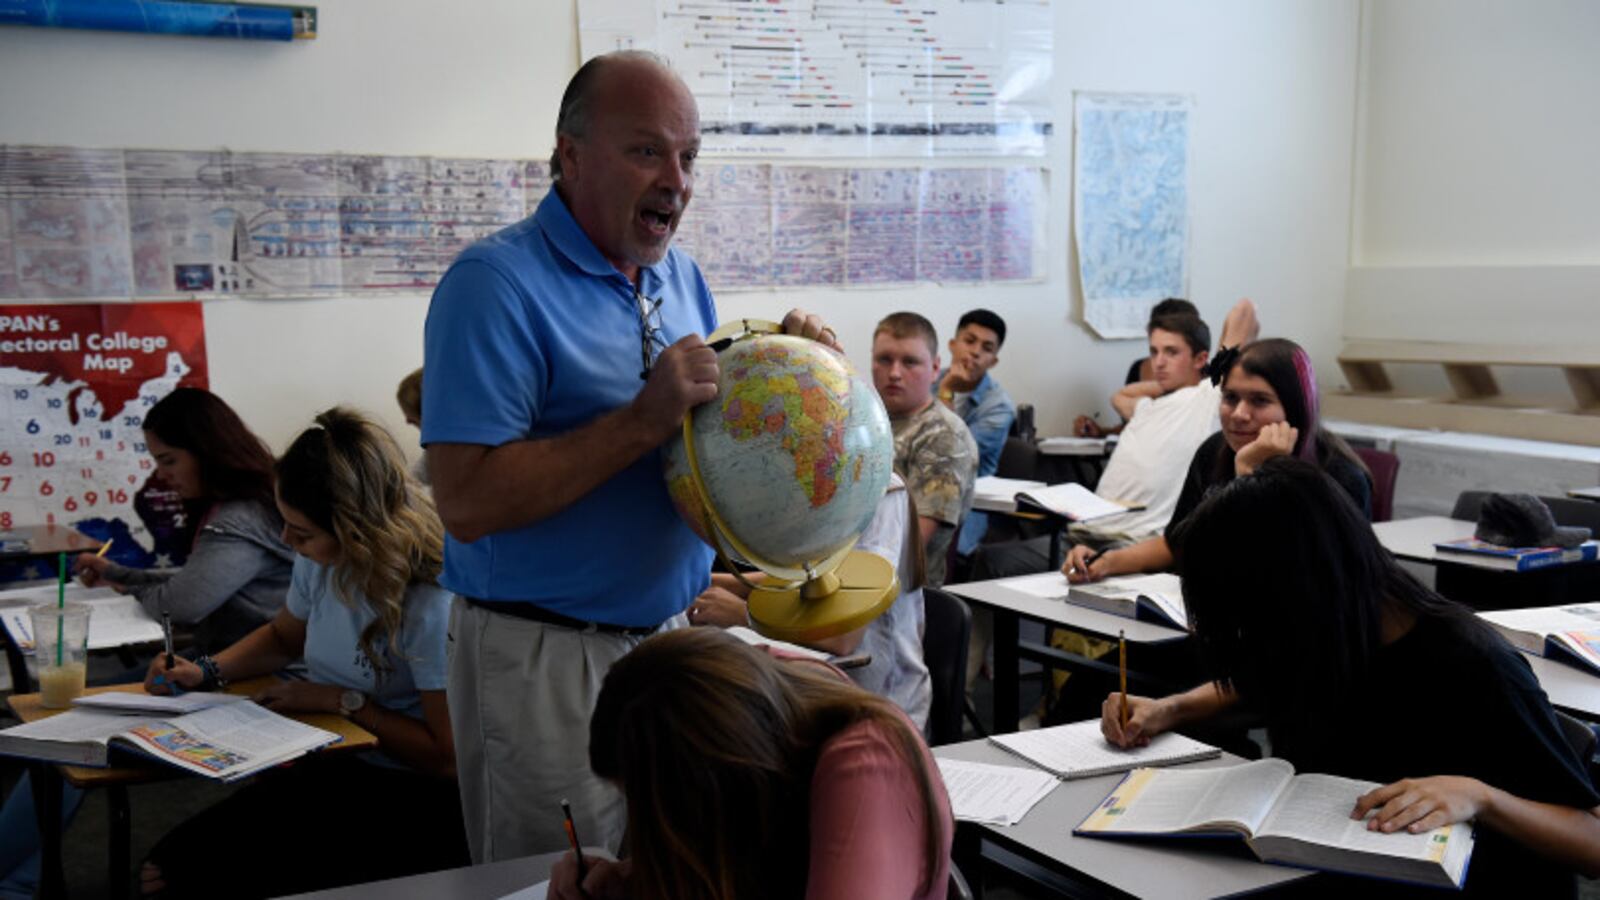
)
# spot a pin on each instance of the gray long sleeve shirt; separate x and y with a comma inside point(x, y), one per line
point(236, 577)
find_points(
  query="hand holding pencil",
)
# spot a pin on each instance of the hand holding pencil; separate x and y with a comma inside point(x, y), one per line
point(1144, 720)
point(90, 568)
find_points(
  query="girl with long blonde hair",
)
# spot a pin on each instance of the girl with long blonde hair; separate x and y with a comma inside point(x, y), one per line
point(368, 616)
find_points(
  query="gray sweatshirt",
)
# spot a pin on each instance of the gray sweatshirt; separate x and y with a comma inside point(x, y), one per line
point(236, 577)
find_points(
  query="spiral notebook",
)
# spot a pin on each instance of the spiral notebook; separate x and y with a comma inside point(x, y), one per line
point(1079, 750)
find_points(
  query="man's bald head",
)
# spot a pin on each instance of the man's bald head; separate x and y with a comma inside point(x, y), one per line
point(586, 90)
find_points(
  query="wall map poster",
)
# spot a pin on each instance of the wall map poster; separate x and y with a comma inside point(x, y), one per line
point(75, 382)
point(848, 77)
point(1131, 206)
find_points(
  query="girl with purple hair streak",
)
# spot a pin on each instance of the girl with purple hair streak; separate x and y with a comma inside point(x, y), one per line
point(1269, 409)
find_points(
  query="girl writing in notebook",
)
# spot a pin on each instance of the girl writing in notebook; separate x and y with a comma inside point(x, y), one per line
point(1269, 408)
point(748, 775)
point(1360, 671)
point(365, 611)
point(237, 572)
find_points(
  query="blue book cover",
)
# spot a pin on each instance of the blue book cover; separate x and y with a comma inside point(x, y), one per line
point(1521, 559)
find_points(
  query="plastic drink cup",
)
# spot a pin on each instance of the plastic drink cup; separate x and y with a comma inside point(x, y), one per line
point(61, 649)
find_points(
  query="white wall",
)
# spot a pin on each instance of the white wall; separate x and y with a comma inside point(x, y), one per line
point(1478, 172)
point(1274, 82)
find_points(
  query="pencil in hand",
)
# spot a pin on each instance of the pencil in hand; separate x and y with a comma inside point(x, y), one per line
point(101, 553)
point(577, 851)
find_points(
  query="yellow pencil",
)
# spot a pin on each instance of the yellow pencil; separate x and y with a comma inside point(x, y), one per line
point(103, 548)
point(1122, 674)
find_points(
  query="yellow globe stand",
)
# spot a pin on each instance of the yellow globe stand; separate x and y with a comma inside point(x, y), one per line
point(805, 602)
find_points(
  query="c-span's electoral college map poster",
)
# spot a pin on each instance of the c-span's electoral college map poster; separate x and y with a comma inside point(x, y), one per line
point(75, 382)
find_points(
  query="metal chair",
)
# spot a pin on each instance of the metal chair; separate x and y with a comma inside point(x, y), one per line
point(947, 628)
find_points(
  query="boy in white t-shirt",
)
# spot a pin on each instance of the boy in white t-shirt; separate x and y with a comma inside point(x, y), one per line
point(1168, 417)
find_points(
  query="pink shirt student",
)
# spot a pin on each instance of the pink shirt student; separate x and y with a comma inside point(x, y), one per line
point(729, 824)
point(867, 822)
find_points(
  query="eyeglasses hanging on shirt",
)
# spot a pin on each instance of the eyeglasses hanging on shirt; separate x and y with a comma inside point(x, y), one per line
point(651, 340)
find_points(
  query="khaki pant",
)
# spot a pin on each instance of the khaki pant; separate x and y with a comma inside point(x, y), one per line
point(521, 693)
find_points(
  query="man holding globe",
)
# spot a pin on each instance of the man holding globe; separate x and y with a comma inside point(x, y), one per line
point(561, 353)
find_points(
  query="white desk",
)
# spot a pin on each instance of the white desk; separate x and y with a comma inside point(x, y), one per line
point(485, 882)
point(1167, 870)
point(1568, 687)
point(1414, 538)
point(1009, 606)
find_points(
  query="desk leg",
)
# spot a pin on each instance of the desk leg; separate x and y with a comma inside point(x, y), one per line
point(47, 808)
point(21, 683)
point(966, 852)
point(121, 835)
point(1007, 672)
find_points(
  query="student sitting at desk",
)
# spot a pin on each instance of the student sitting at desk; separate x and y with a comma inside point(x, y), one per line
point(367, 614)
point(748, 775)
point(1269, 408)
point(1140, 370)
point(237, 573)
point(1362, 672)
point(893, 640)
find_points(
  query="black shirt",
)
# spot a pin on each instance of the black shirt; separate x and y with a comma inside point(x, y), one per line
point(1452, 698)
point(1205, 473)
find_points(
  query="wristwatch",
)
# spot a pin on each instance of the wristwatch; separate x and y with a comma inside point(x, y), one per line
point(351, 702)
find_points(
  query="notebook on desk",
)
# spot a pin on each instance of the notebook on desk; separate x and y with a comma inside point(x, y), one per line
point(115, 620)
point(1079, 750)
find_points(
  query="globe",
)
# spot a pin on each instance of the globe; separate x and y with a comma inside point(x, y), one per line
point(784, 469)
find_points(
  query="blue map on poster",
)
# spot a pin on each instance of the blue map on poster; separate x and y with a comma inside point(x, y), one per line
point(1131, 194)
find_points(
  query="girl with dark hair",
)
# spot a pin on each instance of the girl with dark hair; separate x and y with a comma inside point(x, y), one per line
point(1360, 671)
point(1269, 408)
point(367, 614)
point(237, 573)
point(748, 775)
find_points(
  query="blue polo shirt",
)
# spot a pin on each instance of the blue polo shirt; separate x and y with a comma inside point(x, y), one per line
point(532, 333)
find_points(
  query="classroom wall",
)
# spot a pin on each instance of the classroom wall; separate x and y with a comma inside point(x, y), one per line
point(1478, 173)
point(1274, 83)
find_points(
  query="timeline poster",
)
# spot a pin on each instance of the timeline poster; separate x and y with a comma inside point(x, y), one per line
point(75, 382)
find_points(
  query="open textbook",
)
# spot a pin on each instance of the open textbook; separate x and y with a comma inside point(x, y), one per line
point(1568, 633)
point(226, 741)
point(1296, 820)
point(1155, 598)
point(995, 494)
point(1079, 750)
point(1071, 501)
point(115, 620)
point(1152, 598)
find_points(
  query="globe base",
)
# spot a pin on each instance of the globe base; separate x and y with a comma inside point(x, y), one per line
point(809, 612)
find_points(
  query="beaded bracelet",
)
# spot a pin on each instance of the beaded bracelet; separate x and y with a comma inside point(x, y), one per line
point(211, 675)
